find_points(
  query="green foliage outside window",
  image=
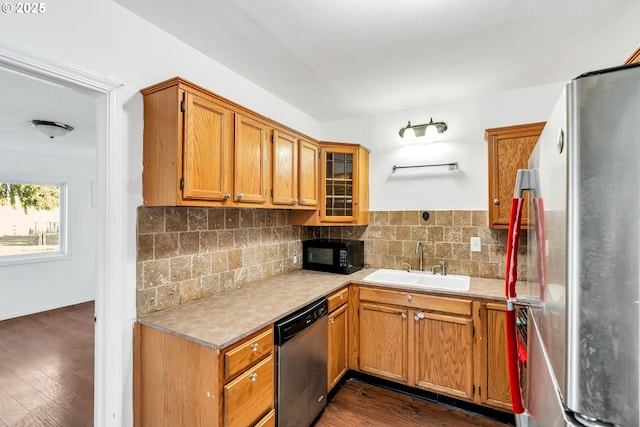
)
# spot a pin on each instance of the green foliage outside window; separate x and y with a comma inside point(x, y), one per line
point(39, 197)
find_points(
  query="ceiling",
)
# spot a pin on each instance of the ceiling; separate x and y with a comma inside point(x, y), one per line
point(32, 98)
point(341, 58)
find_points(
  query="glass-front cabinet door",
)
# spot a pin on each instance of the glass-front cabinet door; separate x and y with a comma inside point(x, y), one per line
point(343, 187)
point(339, 169)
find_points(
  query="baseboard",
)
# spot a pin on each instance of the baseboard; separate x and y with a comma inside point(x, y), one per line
point(460, 405)
point(47, 308)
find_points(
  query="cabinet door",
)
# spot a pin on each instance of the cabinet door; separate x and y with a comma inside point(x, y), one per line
point(250, 396)
point(339, 171)
point(383, 341)
point(338, 356)
point(285, 169)
point(308, 182)
point(444, 354)
point(207, 150)
point(509, 149)
point(495, 389)
point(251, 161)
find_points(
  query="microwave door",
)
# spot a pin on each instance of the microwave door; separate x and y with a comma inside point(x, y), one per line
point(322, 256)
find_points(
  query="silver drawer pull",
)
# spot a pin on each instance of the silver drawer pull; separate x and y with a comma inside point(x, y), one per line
point(419, 316)
point(254, 347)
point(403, 315)
point(332, 319)
point(253, 377)
point(226, 196)
point(341, 296)
point(409, 297)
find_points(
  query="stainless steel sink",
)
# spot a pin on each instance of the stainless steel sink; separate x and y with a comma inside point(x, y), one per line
point(420, 279)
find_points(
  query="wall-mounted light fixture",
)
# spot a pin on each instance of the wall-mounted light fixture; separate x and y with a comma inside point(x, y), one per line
point(51, 129)
point(427, 129)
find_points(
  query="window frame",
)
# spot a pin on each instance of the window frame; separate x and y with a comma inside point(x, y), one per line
point(38, 257)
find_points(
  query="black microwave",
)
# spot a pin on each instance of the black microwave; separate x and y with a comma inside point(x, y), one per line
point(333, 256)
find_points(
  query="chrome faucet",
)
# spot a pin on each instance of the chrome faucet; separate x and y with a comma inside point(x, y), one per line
point(419, 252)
point(443, 268)
point(408, 266)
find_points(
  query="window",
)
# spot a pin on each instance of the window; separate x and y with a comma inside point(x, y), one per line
point(32, 221)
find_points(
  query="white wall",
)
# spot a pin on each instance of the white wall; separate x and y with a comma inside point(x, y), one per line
point(439, 188)
point(34, 287)
point(102, 38)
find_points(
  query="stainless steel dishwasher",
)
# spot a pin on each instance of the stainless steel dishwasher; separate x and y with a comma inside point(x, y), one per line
point(301, 364)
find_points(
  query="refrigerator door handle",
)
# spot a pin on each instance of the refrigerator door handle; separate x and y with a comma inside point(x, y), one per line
point(526, 179)
point(511, 277)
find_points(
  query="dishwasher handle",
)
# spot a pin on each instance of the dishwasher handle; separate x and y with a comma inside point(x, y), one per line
point(290, 326)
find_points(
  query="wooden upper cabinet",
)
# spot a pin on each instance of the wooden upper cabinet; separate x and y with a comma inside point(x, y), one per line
point(208, 145)
point(344, 187)
point(308, 154)
point(203, 150)
point(509, 149)
point(251, 161)
point(285, 169)
point(634, 58)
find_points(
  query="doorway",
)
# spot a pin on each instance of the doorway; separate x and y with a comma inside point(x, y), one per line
point(114, 271)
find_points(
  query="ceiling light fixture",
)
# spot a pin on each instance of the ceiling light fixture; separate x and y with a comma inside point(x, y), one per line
point(427, 129)
point(51, 129)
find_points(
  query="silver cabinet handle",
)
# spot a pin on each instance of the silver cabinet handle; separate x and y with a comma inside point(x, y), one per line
point(332, 319)
point(295, 200)
point(340, 296)
point(253, 377)
point(254, 346)
point(303, 201)
point(419, 316)
point(355, 202)
point(240, 196)
point(409, 297)
point(226, 196)
point(496, 201)
point(403, 315)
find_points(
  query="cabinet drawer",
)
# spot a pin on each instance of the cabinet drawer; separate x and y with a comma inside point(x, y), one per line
point(268, 420)
point(250, 396)
point(244, 355)
point(417, 300)
point(338, 298)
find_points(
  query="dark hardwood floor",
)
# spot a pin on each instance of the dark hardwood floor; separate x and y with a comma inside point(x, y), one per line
point(46, 368)
point(358, 404)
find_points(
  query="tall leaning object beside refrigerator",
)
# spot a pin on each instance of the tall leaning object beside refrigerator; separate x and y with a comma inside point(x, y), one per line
point(577, 330)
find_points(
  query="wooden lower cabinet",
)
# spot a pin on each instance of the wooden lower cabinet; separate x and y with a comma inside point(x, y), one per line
point(444, 354)
point(337, 350)
point(268, 420)
point(247, 398)
point(178, 382)
point(383, 349)
point(495, 389)
point(446, 345)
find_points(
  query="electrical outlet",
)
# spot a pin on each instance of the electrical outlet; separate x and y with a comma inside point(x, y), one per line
point(475, 244)
point(295, 259)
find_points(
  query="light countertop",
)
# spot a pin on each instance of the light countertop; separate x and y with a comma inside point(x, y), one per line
point(223, 319)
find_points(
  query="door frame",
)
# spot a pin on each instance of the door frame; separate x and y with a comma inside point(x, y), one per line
point(115, 289)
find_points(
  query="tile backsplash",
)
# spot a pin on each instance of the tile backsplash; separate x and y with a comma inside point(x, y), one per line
point(392, 236)
point(185, 253)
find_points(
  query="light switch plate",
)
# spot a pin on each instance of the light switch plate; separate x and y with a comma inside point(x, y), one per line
point(475, 244)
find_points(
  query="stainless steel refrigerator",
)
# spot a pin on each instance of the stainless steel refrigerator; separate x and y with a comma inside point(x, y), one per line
point(573, 337)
